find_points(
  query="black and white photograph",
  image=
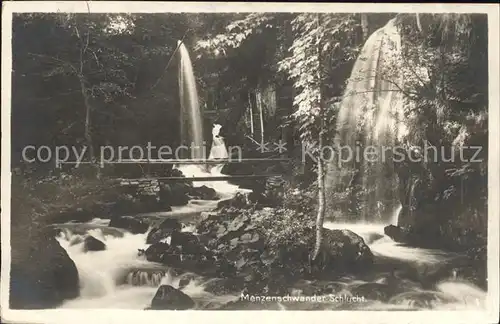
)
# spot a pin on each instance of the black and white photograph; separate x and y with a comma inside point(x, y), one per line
point(162, 157)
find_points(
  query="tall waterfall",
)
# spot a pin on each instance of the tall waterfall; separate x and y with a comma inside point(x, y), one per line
point(369, 116)
point(192, 131)
point(191, 122)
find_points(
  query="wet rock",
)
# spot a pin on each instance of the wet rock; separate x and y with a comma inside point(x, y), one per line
point(187, 253)
point(123, 206)
point(163, 253)
point(374, 291)
point(129, 223)
point(169, 298)
point(76, 215)
point(152, 203)
point(203, 193)
point(163, 230)
point(184, 239)
point(176, 194)
point(395, 233)
point(264, 199)
point(420, 299)
point(188, 243)
point(156, 235)
point(185, 278)
point(407, 235)
point(45, 279)
point(239, 201)
point(92, 244)
point(343, 251)
point(102, 209)
point(176, 173)
point(170, 224)
point(183, 282)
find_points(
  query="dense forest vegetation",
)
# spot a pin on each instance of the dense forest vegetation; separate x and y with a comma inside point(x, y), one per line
point(111, 79)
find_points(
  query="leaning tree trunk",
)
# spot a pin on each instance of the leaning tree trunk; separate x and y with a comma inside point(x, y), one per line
point(320, 218)
point(321, 177)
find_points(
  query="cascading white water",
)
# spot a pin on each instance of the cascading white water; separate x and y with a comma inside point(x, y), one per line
point(100, 272)
point(191, 122)
point(395, 215)
point(370, 116)
point(217, 151)
point(119, 277)
point(192, 129)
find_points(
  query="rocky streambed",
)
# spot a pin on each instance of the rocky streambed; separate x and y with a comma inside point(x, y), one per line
point(218, 252)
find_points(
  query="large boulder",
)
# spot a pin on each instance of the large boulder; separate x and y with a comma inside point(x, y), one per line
point(78, 215)
point(92, 244)
point(45, 278)
point(343, 251)
point(407, 235)
point(272, 259)
point(132, 224)
point(126, 204)
point(152, 203)
point(169, 298)
point(164, 253)
point(185, 251)
point(176, 194)
point(163, 230)
point(396, 233)
point(239, 201)
point(203, 193)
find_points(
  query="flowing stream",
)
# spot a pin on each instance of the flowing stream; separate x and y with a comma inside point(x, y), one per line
point(119, 278)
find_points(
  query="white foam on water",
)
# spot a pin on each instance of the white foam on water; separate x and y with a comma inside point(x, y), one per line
point(386, 247)
point(100, 270)
point(225, 189)
point(468, 295)
point(124, 297)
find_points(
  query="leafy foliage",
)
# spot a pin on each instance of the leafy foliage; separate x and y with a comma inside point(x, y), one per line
point(321, 43)
point(444, 67)
point(236, 33)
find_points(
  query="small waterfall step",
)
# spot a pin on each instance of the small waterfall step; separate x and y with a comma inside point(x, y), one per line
point(85, 228)
point(145, 277)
